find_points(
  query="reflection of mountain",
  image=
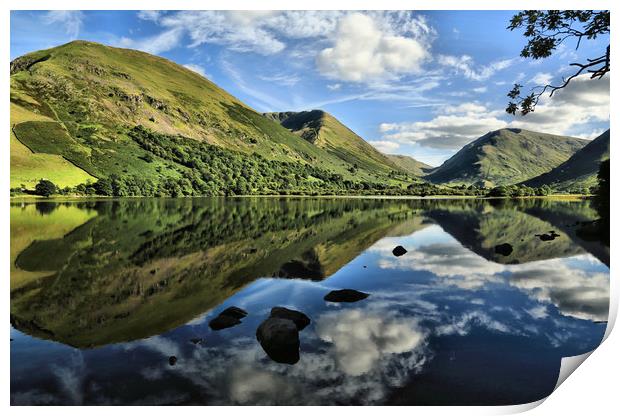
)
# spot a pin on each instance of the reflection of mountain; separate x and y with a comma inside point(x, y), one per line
point(137, 268)
point(480, 226)
point(142, 267)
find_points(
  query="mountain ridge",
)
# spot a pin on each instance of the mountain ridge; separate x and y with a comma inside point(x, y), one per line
point(505, 157)
point(580, 170)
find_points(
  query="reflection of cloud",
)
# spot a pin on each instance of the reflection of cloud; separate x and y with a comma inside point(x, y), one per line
point(252, 386)
point(451, 261)
point(360, 340)
point(574, 290)
point(463, 324)
point(71, 378)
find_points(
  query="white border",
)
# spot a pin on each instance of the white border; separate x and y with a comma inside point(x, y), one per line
point(592, 390)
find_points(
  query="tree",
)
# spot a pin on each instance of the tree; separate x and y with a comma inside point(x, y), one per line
point(45, 188)
point(546, 31)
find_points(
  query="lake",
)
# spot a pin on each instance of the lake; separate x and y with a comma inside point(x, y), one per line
point(111, 300)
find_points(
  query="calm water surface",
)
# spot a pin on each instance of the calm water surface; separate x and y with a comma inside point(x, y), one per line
point(104, 293)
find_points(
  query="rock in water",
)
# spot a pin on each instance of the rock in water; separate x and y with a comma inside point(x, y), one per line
point(279, 339)
point(503, 249)
point(228, 317)
point(345, 295)
point(172, 360)
point(399, 251)
point(234, 312)
point(547, 237)
point(300, 319)
point(223, 322)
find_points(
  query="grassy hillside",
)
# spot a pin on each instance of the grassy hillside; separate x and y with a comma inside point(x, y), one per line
point(580, 170)
point(326, 132)
point(73, 106)
point(410, 165)
point(505, 157)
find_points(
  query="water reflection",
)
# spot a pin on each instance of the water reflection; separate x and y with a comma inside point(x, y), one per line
point(121, 286)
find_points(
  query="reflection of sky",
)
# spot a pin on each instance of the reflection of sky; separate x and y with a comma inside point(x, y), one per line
point(433, 299)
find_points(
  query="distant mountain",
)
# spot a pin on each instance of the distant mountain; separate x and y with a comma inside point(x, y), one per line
point(411, 165)
point(505, 157)
point(326, 132)
point(74, 109)
point(580, 170)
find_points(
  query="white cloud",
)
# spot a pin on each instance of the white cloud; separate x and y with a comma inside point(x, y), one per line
point(150, 15)
point(583, 101)
point(159, 43)
point(363, 52)
point(286, 80)
point(453, 127)
point(465, 66)
point(196, 68)
point(385, 146)
point(334, 87)
point(542, 78)
point(479, 90)
point(72, 20)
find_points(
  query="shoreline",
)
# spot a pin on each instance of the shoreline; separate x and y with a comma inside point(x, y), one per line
point(62, 198)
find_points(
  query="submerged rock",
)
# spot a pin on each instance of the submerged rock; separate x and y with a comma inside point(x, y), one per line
point(228, 317)
point(300, 319)
point(172, 360)
point(504, 249)
point(234, 312)
point(280, 339)
point(345, 295)
point(399, 251)
point(196, 340)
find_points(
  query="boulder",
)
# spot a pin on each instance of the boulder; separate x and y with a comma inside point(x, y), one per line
point(300, 319)
point(399, 251)
point(279, 339)
point(345, 295)
point(503, 249)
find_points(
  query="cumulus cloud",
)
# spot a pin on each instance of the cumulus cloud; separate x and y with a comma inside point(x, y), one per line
point(570, 109)
point(583, 101)
point(72, 20)
point(362, 52)
point(385, 146)
point(542, 78)
point(466, 66)
point(453, 127)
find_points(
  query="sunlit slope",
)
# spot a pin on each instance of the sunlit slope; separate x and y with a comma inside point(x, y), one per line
point(326, 132)
point(578, 172)
point(95, 93)
point(506, 157)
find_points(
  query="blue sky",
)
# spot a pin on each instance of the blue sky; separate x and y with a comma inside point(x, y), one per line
point(416, 83)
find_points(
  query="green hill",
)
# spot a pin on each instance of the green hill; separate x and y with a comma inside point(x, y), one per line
point(326, 132)
point(505, 157)
point(410, 165)
point(580, 170)
point(76, 105)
